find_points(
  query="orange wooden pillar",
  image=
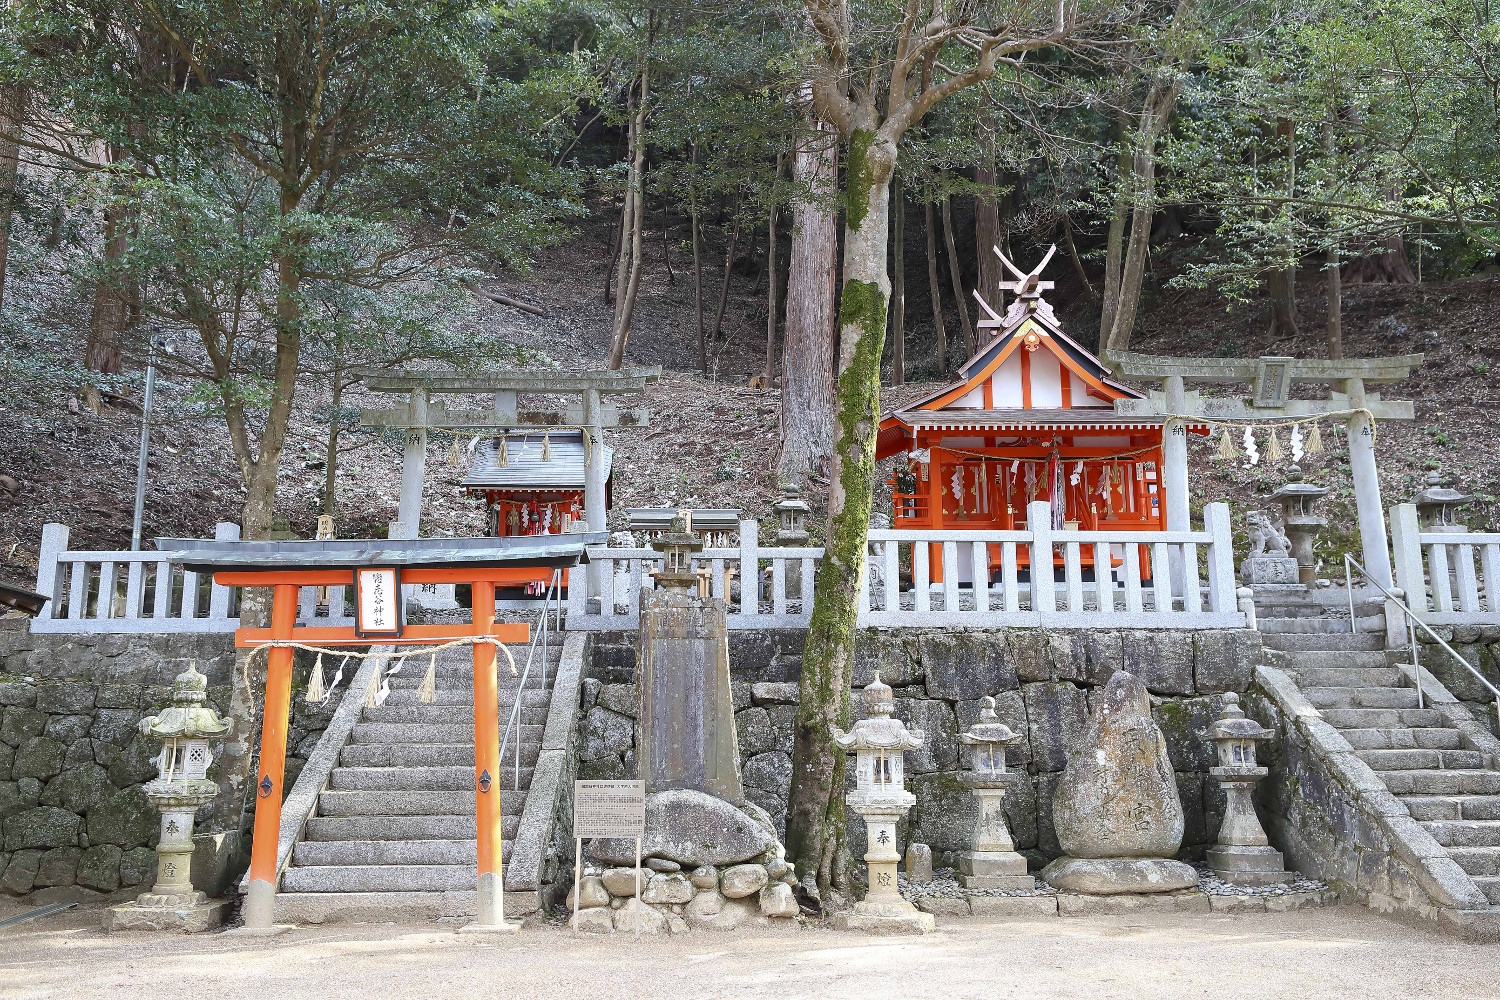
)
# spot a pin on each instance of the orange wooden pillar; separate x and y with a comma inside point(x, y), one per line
point(490, 911)
point(260, 903)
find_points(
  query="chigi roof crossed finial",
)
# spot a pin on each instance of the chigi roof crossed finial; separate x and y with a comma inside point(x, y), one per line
point(1027, 287)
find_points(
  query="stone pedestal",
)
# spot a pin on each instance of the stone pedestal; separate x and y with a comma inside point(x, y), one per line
point(1119, 876)
point(1260, 571)
point(172, 903)
point(1248, 865)
point(191, 913)
point(883, 910)
point(993, 863)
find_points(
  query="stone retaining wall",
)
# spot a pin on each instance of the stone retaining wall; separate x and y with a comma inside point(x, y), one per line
point(73, 818)
point(1042, 681)
point(1480, 645)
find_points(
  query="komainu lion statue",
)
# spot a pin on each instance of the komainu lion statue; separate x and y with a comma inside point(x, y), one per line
point(1265, 538)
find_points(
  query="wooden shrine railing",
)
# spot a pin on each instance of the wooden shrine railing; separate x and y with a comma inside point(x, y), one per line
point(924, 578)
point(147, 592)
point(1437, 571)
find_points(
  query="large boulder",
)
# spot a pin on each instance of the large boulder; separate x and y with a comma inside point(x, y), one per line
point(1117, 797)
point(691, 828)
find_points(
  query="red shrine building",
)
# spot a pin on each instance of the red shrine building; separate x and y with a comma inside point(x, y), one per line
point(533, 482)
point(1031, 418)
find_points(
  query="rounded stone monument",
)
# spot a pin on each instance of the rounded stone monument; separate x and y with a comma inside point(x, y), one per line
point(1116, 811)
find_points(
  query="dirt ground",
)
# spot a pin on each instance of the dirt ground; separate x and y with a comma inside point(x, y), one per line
point(1332, 953)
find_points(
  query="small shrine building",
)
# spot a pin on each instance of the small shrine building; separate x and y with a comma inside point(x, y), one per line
point(1031, 417)
point(534, 482)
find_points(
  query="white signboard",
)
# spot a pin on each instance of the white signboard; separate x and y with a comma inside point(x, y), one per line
point(609, 809)
point(379, 602)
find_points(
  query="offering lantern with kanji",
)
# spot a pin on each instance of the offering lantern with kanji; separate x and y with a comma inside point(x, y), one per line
point(880, 797)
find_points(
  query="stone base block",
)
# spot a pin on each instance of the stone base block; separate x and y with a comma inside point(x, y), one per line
point(1113, 876)
point(948, 906)
point(991, 863)
point(1261, 570)
point(193, 919)
point(504, 928)
point(1013, 906)
point(1075, 905)
point(1011, 883)
point(1248, 865)
point(885, 917)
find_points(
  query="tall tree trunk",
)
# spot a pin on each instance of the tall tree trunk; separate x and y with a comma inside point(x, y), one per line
point(939, 331)
point(1114, 241)
point(1281, 301)
point(987, 211)
point(110, 315)
point(734, 239)
point(808, 341)
point(955, 274)
point(1083, 276)
point(1386, 265)
point(12, 118)
point(770, 372)
point(898, 283)
point(625, 307)
point(331, 458)
point(1333, 330)
point(697, 270)
point(815, 809)
point(619, 260)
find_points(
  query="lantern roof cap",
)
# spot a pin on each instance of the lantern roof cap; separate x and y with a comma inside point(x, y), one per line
point(989, 728)
point(1436, 494)
point(880, 731)
point(187, 717)
point(791, 499)
point(1233, 725)
point(1295, 487)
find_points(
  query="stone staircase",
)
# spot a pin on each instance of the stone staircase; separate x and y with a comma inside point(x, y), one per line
point(1369, 696)
point(394, 828)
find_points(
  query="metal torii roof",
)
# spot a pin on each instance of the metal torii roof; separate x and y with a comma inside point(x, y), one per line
point(208, 555)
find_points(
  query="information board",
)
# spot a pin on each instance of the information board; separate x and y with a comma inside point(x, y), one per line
point(609, 809)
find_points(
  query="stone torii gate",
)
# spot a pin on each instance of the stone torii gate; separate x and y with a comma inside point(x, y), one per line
point(1272, 379)
point(422, 414)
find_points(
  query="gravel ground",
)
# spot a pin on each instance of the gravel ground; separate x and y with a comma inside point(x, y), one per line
point(1330, 953)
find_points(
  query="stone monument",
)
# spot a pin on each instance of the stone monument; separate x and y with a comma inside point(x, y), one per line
point(993, 862)
point(1116, 810)
point(685, 736)
point(185, 728)
point(880, 797)
point(1300, 523)
point(1243, 854)
point(1270, 562)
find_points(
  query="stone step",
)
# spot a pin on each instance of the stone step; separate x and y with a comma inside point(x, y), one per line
point(1465, 832)
point(1381, 718)
point(410, 802)
point(1446, 807)
point(1361, 697)
point(403, 827)
point(1479, 862)
point(1342, 641)
point(1406, 760)
point(455, 678)
point(1317, 626)
point(1490, 886)
point(1270, 605)
point(1320, 676)
point(1298, 659)
point(380, 878)
point(389, 852)
point(410, 732)
point(465, 696)
point(426, 778)
point(457, 715)
point(1419, 782)
point(1402, 739)
point(431, 754)
point(375, 907)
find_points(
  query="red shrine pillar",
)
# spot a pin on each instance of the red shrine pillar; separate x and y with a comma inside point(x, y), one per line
point(490, 912)
point(260, 903)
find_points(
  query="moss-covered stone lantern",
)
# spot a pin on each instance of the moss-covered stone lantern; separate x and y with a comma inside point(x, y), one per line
point(1243, 854)
point(879, 743)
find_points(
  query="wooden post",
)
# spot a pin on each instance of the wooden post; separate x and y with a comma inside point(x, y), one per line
point(490, 902)
point(260, 901)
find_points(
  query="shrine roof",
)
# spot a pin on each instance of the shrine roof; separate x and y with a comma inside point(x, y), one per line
point(208, 555)
point(1017, 419)
point(524, 469)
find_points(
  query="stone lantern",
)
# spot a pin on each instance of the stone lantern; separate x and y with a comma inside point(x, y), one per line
point(1436, 505)
point(187, 729)
point(880, 797)
point(1299, 521)
point(677, 544)
point(792, 510)
point(993, 862)
point(1243, 854)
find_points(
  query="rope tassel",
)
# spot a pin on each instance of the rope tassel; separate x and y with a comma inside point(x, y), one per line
point(455, 455)
point(502, 457)
point(546, 447)
point(317, 691)
point(1227, 450)
point(428, 690)
point(1273, 448)
point(1314, 445)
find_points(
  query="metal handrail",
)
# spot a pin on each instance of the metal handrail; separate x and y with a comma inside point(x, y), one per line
point(1411, 621)
point(554, 587)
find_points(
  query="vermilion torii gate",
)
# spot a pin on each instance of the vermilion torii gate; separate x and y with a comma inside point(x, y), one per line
point(377, 568)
